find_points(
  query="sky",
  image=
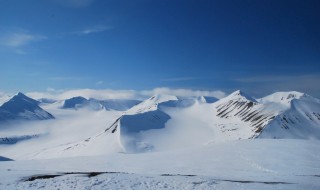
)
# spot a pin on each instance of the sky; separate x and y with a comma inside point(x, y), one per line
point(258, 46)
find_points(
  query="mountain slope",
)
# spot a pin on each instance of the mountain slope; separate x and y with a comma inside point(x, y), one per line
point(22, 107)
point(5, 159)
point(244, 110)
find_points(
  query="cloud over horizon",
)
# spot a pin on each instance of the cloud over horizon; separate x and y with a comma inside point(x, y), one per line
point(120, 94)
point(184, 92)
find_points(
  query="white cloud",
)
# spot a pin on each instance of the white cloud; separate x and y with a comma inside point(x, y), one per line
point(19, 39)
point(120, 94)
point(87, 93)
point(184, 92)
point(95, 29)
point(4, 97)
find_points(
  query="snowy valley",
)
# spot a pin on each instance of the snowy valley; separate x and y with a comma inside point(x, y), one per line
point(163, 142)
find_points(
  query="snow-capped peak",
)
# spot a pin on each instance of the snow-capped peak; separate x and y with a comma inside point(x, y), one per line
point(19, 103)
point(151, 103)
point(21, 106)
point(283, 97)
point(21, 96)
point(239, 95)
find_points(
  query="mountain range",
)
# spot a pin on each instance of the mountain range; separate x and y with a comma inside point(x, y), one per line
point(237, 116)
point(164, 122)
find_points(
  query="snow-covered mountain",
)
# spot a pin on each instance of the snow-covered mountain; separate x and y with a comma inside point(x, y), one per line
point(81, 102)
point(165, 122)
point(279, 115)
point(191, 139)
point(298, 116)
point(240, 112)
point(21, 107)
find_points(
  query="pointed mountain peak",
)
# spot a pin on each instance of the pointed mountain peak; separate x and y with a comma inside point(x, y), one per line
point(21, 106)
point(151, 104)
point(20, 94)
point(238, 94)
point(22, 97)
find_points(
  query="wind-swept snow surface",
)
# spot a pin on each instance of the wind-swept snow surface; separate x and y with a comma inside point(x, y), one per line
point(246, 164)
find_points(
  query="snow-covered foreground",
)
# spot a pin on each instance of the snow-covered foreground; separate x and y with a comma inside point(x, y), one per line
point(245, 164)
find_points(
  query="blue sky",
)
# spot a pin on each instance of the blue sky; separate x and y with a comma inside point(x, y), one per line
point(258, 46)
